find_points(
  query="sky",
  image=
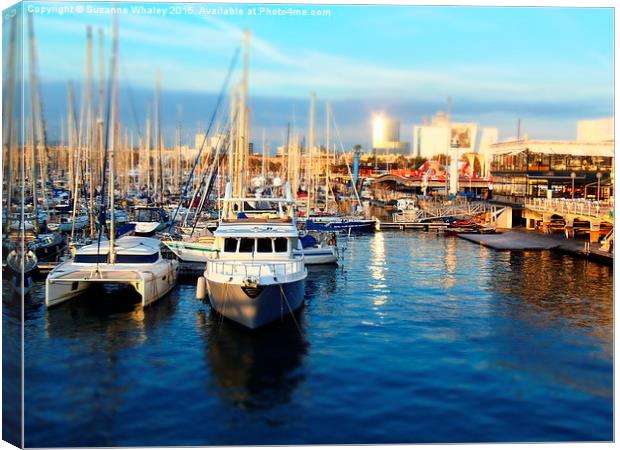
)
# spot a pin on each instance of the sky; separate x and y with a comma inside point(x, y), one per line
point(548, 67)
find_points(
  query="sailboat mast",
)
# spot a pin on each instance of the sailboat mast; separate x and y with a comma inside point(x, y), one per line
point(147, 151)
point(90, 130)
point(327, 162)
point(34, 108)
point(309, 152)
point(112, 135)
point(7, 121)
point(242, 128)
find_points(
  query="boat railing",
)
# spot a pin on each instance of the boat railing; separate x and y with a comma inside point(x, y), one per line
point(255, 268)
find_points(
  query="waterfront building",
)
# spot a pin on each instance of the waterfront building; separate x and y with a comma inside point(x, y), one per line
point(441, 136)
point(530, 168)
point(595, 130)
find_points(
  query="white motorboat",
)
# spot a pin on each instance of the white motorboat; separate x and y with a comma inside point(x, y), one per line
point(318, 251)
point(149, 221)
point(254, 277)
point(65, 222)
point(21, 265)
point(194, 250)
point(134, 261)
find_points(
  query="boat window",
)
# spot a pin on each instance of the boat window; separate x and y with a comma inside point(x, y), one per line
point(91, 258)
point(280, 244)
point(263, 245)
point(246, 245)
point(136, 259)
point(230, 245)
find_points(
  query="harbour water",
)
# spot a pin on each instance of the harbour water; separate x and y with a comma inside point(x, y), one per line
point(415, 338)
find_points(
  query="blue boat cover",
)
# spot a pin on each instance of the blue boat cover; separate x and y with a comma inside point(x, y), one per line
point(308, 241)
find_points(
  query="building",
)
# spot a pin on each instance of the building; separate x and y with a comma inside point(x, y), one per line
point(441, 137)
point(595, 130)
point(386, 136)
point(212, 141)
point(582, 168)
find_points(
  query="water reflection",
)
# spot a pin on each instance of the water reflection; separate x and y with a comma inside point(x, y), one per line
point(544, 293)
point(451, 262)
point(560, 288)
point(117, 315)
point(321, 284)
point(255, 370)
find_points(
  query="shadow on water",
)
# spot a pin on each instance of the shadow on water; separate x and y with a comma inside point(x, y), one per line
point(11, 364)
point(115, 311)
point(255, 369)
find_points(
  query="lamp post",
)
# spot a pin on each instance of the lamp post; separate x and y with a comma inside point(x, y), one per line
point(599, 175)
point(454, 166)
point(573, 175)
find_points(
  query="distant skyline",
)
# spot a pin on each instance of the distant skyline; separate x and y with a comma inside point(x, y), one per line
point(547, 66)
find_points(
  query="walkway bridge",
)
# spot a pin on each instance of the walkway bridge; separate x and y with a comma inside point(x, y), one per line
point(437, 210)
point(594, 212)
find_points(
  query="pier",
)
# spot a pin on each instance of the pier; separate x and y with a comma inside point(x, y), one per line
point(524, 240)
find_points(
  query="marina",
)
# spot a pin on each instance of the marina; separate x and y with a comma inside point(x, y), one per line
point(213, 252)
point(523, 337)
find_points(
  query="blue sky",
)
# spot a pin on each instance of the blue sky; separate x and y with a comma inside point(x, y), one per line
point(548, 66)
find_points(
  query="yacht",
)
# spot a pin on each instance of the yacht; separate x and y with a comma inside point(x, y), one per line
point(134, 261)
point(149, 221)
point(65, 221)
point(195, 249)
point(318, 248)
point(334, 222)
point(254, 276)
point(21, 268)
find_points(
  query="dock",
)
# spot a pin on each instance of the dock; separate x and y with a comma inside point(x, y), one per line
point(522, 240)
point(411, 226)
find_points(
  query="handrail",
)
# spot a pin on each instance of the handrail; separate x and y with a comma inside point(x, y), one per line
point(580, 207)
point(256, 268)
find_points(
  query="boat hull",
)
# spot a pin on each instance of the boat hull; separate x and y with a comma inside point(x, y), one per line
point(318, 255)
point(191, 251)
point(256, 307)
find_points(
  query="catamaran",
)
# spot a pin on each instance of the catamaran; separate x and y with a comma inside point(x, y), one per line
point(131, 260)
point(254, 277)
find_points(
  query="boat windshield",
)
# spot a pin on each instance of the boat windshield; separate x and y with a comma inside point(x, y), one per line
point(258, 245)
point(97, 258)
point(136, 259)
point(147, 215)
point(120, 258)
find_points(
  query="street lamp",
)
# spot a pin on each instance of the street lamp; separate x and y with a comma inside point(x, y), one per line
point(573, 175)
point(599, 175)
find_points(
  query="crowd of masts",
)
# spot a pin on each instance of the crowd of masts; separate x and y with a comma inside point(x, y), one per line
point(140, 162)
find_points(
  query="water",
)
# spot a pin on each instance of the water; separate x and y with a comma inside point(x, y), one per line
point(419, 338)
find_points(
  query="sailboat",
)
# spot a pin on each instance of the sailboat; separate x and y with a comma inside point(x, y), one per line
point(129, 261)
point(326, 220)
